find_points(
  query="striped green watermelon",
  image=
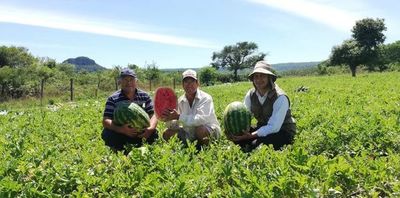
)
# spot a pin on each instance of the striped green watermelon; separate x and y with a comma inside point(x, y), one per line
point(131, 114)
point(237, 118)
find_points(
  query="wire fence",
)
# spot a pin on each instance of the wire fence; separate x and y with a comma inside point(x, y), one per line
point(76, 90)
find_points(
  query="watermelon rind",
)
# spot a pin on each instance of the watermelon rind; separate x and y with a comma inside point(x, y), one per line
point(131, 114)
point(236, 118)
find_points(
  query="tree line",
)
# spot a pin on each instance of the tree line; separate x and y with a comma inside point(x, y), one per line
point(366, 48)
point(21, 74)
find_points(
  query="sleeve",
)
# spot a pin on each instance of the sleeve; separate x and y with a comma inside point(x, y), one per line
point(204, 112)
point(280, 108)
point(149, 108)
point(109, 108)
point(247, 100)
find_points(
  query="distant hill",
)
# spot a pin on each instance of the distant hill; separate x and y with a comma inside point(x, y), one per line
point(294, 66)
point(278, 67)
point(178, 69)
point(84, 63)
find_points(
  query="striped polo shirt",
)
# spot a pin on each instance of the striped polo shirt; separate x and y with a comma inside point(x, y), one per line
point(141, 98)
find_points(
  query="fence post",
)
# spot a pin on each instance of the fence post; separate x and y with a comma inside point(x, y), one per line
point(149, 85)
point(41, 92)
point(72, 88)
point(173, 82)
point(97, 88)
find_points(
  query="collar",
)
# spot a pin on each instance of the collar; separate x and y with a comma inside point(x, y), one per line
point(259, 95)
point(268, 94)
point(196, 96)
point(134, 95)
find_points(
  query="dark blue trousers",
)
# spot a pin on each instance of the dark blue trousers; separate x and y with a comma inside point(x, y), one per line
point(277, 140)
point(117, 141)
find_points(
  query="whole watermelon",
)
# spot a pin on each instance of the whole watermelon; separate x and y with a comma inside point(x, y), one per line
point(237, 118)
point(131, 114)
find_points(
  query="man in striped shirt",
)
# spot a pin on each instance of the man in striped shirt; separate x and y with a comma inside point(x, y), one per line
point(117, 137)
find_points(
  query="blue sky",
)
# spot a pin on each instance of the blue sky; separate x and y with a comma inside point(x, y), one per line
point(185, 33)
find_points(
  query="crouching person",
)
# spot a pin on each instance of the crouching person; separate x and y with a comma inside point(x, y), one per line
point(195, 117)
point(271, 107)
point(116, 137)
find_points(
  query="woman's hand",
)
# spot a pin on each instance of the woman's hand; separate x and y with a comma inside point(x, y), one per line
point(230, 137)
point(245, 136)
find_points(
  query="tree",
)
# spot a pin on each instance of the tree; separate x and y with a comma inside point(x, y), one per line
point(116, 70)
point(44, 72)
point(15, 78)
point(391, 52)
point(363, 48)
point(348, 53)
point(368, 33)
point(14, 81)
point(208, 75)
point(5, 79)
point(15, 57)
point(133, 66)
point(48, 62)
point(237, 57)
point(152, 72)
point(66, 68)
point(140, 72)
point(389, 56)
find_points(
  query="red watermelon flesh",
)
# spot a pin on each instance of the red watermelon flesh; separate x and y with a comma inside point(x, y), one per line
point(165, 98)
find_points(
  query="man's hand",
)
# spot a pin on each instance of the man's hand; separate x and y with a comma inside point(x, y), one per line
point(169, 114)
point(147, 133)
point(129, 131)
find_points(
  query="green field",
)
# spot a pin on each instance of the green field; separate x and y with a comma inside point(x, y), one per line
point(348, 144)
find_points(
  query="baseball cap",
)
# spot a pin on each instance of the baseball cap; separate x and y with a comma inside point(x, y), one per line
point(189, 73)
point(127, 72)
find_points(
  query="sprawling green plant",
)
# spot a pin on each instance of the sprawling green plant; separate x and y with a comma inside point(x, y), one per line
point(347, 145)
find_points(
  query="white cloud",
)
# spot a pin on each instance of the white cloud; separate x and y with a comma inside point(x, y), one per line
point(336, 18)
point(71, 23)
point(37, 45)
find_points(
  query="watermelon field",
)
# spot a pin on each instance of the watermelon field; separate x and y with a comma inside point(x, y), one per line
point(348, 144)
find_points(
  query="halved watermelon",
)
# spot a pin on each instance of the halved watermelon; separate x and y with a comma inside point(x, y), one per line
point(165, 98)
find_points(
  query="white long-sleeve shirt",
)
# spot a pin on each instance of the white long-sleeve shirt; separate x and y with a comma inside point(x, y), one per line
point(201, 113)
point(280, 108)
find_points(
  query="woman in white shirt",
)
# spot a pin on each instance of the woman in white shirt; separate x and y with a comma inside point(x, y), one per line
point(271, 107)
